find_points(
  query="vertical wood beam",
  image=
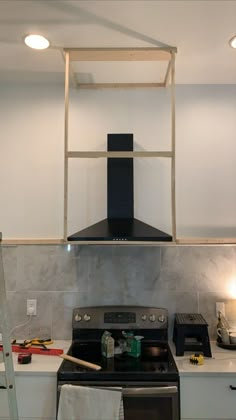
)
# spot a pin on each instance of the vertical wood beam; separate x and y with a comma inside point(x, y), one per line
point(72, 73)
point(167, 76)
point(67, 85)
point(173, 200)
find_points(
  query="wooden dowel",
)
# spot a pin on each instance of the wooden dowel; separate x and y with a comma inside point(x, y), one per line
point(80, 362)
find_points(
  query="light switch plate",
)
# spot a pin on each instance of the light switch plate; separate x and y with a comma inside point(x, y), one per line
point(220, 307)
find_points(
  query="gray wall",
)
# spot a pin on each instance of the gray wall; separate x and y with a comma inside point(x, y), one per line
point(180, 278)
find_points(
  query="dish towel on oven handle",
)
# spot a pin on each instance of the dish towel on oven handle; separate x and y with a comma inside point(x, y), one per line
point(88, 403)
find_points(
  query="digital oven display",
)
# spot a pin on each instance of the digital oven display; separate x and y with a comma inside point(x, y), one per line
point(119, 317)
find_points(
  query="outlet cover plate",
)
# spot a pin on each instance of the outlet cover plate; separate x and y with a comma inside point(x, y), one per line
point(31, 306)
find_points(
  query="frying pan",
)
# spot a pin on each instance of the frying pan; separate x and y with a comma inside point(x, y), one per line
point(154, 351)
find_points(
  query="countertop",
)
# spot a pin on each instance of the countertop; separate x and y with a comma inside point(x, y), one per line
point(222, 362)
point(40, 364)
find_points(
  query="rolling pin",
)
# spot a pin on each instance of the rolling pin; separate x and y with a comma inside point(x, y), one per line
point(80, 362)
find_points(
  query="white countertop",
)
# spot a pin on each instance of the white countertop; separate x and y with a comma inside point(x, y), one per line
point(41, 364)
point(222, 362)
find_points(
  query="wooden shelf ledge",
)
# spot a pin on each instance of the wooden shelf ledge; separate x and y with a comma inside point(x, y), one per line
point(120, 54)
point(92, 154)
point(118, 85)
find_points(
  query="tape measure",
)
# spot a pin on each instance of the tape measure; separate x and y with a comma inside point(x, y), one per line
point(24, 358)
point(197, 359)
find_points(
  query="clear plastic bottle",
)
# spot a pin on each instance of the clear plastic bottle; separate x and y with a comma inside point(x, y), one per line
point(220, 324)
point(222, 329)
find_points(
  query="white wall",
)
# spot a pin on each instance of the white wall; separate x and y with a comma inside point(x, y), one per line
point(206, 160)
point(31, 144)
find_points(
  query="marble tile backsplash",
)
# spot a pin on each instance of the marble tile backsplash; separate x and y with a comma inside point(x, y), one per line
point(179, 278)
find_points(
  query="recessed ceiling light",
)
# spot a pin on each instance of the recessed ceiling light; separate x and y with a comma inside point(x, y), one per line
point(232, 42)
point(37, 42)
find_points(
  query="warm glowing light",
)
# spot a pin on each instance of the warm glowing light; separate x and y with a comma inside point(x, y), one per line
point(37, 42)
point(232, 42)
point(232, 288)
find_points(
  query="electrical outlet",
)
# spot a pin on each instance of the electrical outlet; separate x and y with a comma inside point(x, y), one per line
point(220, 307)
point(31, 306)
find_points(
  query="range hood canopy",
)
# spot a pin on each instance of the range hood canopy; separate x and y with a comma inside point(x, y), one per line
point(120, 224)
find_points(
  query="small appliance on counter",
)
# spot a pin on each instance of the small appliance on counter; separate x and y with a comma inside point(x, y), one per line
point(191, 334)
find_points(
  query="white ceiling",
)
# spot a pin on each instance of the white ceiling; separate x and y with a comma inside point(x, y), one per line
point(199, 29)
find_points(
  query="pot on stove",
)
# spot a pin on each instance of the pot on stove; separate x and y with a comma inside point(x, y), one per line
point(155, 351)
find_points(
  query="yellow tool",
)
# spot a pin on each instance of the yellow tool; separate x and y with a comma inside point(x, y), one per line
point(37, 342)
point(197, 359)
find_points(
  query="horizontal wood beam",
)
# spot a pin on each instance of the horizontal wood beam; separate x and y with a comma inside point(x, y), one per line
point(15, 242)
point(118, 85)
point(98, 154)
point(35, 241)
point(180, 241)
point(206, 241)
point(120, 54)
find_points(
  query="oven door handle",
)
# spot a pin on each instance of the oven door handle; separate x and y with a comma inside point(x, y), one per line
point(138, 392)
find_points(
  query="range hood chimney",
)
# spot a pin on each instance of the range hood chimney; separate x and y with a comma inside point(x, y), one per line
point(120, 224)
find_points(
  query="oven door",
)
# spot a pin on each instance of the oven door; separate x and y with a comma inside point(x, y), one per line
point(153, 402)
point(142, 401)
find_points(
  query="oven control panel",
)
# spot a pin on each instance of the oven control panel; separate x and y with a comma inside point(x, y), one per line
point(120, 317)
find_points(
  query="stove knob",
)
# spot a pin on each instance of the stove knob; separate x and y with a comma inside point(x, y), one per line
point(162, 368)
point(87, 317)
point(78, 317)
point(161, 318)
point(144, 317)
point(152, 318)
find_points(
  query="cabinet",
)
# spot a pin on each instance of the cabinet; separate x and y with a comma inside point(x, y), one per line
point(208, 397)
point(36, 397)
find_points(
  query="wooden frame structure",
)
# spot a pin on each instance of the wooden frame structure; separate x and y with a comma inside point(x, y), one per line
point(71, 55)
point(119, 54)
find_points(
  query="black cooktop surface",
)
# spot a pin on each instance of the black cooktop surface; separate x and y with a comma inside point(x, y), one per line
point(155, 363)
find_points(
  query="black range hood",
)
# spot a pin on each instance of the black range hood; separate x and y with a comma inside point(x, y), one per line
point(120, 224)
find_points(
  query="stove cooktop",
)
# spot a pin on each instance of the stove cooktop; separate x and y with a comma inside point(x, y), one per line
point(88, 324)
point(155, 363)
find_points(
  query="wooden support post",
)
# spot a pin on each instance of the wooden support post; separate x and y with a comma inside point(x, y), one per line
point(67, 86)
point(72, 73)
point(167, 76)
point(173, 200)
